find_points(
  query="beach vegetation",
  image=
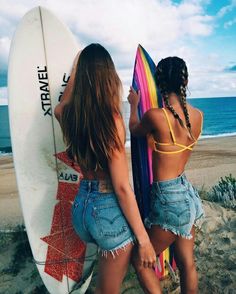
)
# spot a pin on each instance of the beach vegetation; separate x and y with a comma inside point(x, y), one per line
point(223, 193)
point(41, 289)
point(34, 274)
point(22, 252)
point(203, 193)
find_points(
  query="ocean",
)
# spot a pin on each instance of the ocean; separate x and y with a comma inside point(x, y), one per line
point(219, 119)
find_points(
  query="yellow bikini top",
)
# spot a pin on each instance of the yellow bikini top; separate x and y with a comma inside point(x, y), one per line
point(153, 144)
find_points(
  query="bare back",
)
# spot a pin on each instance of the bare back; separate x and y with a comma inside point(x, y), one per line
point(170, 161)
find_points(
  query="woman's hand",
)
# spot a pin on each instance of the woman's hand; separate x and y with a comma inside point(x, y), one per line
point(133, 97)
point(135, 126)
point(147, 254)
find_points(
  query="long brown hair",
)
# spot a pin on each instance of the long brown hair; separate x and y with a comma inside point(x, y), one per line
point(88, 122)
point(171, 76)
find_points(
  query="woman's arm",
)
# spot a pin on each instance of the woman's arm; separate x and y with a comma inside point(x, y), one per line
point(138, 128)
point(67, 92)
point(118, 167)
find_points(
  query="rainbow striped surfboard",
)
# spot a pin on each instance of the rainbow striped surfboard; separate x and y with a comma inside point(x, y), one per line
point(143, 80)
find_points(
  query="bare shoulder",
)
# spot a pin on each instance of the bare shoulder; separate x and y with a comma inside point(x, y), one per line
point(153, 114)
point(200, 112)
point(195, 111)
point(154, 117)
point(196, 116)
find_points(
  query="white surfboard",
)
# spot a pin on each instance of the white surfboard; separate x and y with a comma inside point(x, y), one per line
point(41, 57)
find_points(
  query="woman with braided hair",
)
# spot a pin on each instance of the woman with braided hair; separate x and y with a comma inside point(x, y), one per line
point(172, 132)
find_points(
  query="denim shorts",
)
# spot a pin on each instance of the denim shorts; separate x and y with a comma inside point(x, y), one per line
point(98, 218)
point(175, 206)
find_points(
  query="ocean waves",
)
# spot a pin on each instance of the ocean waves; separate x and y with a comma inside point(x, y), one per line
point(219, 120)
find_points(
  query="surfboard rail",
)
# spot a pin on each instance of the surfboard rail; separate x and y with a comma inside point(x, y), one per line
point(41, 56)
point(141, 154)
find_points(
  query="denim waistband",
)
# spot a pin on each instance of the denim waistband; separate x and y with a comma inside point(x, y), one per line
point(181, 179)
point(103, 186)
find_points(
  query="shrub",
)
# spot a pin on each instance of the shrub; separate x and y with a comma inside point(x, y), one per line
point(224, 192)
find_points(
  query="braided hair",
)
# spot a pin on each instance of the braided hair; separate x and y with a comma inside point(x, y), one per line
point(171, 76)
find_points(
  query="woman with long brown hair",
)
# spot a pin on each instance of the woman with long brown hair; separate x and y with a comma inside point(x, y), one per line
point(105, 211)
point(175, 205)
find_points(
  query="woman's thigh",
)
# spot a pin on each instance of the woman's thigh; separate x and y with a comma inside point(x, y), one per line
point(112, 269)
point(160, 238)
point(183, 250)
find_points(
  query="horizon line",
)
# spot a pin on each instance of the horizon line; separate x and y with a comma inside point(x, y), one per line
point(188, 98)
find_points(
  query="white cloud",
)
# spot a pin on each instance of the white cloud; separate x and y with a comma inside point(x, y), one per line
point(226, 9)
point(229, 23)
point(221, 86)
point(162, 27)
point(122, 24)
point(207, 76)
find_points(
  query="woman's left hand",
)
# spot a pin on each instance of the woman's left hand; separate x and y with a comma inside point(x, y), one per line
point(133, 97)
point(147, 255)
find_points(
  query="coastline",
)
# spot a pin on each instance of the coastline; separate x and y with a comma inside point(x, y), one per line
point(211, 159)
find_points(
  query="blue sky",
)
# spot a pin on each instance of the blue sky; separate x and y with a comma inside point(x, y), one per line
point(203, 32)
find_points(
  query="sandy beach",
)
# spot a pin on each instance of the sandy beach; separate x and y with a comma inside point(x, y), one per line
point(211, 159)
point(215, 244)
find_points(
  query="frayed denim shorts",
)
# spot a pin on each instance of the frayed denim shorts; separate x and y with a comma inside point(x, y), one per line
point(175, 206)
point(98, 218)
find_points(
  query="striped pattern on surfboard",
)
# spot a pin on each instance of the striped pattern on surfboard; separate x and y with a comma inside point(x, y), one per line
point(143, 80)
